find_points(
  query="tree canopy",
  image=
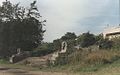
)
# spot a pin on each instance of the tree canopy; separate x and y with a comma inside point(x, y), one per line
point(69, 36)
point(19, 27)
point(86, 39)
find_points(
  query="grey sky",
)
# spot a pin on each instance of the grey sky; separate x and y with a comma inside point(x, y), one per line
point(76, 15)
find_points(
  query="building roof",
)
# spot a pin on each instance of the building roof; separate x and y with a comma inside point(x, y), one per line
point(111, 31)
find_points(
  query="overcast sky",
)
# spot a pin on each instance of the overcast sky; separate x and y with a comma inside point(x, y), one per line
point(75, 15)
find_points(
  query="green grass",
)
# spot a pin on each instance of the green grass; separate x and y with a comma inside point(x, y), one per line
point(99, 69)
point(95, 61)
point(80, 66)
point(3, 61)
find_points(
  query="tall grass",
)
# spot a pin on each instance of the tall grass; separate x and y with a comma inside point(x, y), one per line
point(90, 60)
point(94, 57)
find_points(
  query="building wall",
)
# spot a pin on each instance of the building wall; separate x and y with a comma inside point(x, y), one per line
point(111, 30)
point(113, 36)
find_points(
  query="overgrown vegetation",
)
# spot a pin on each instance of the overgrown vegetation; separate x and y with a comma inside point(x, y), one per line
point(3, 61)
point(85, 61)
point(21, 28)
point(43, 49)
point(86, 39)
point(87, 58)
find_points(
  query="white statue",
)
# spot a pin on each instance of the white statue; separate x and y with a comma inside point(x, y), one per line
point(63, 47)
point(18, 51)
point(56, 54)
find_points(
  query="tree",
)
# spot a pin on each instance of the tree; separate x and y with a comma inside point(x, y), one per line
point(105, 44)
point(86, 39)
point(57, 44)
point(20, 27)
point(43, 49)
point(98, 37)
point(69, 36)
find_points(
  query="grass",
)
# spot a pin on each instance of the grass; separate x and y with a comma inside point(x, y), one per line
point(104, 62)
point(3, 61)
point(94, 62)
point(6, 64)
point(104, 69)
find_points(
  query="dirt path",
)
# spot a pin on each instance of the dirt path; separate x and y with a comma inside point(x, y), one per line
point(12, 71)
point(18, 71)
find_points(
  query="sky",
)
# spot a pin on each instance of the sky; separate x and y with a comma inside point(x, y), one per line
point(77, 16)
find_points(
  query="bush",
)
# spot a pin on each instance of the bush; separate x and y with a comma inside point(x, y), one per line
point(86, 39)
point(101, 57)
point(94, 57)
point(116, 43)
point(105, 44)
point(43, 49)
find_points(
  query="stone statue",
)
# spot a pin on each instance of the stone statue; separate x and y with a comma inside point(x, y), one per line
point(53, 57)
point(18, 51)
point(63, 47)
point(57, 54)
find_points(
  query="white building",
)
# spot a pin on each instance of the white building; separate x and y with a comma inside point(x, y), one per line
point(111, 32)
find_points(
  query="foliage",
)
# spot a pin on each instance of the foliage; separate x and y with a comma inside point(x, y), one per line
point(98, 38)
point(20, 28)
point(92, 61)
point(68, 36)
point(4, 61)
point(116, 43)
point(62, 59)
point(101, 57)
point(70, 39)
point(43, 49)
point(57, 44)
point(86, 39)
point(105, 44)
point(85, 61)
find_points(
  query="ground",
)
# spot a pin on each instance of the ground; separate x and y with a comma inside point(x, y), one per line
point(16, 69)
point(24, 72)
point(20, 71)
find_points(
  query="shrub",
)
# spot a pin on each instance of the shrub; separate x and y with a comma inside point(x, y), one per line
point(101, 57)
point(105, 44)
point(86, 39)
point(94, 57)
point(116, 43)
point(43, 49)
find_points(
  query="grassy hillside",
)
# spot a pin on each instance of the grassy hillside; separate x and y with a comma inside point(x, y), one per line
point(106, 62)
point(101, 62)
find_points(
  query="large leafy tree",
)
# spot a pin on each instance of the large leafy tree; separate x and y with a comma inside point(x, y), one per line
point(57, 44)
point(43, 49)
point(86, 39)
point(19, 27)
point(69, 36)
